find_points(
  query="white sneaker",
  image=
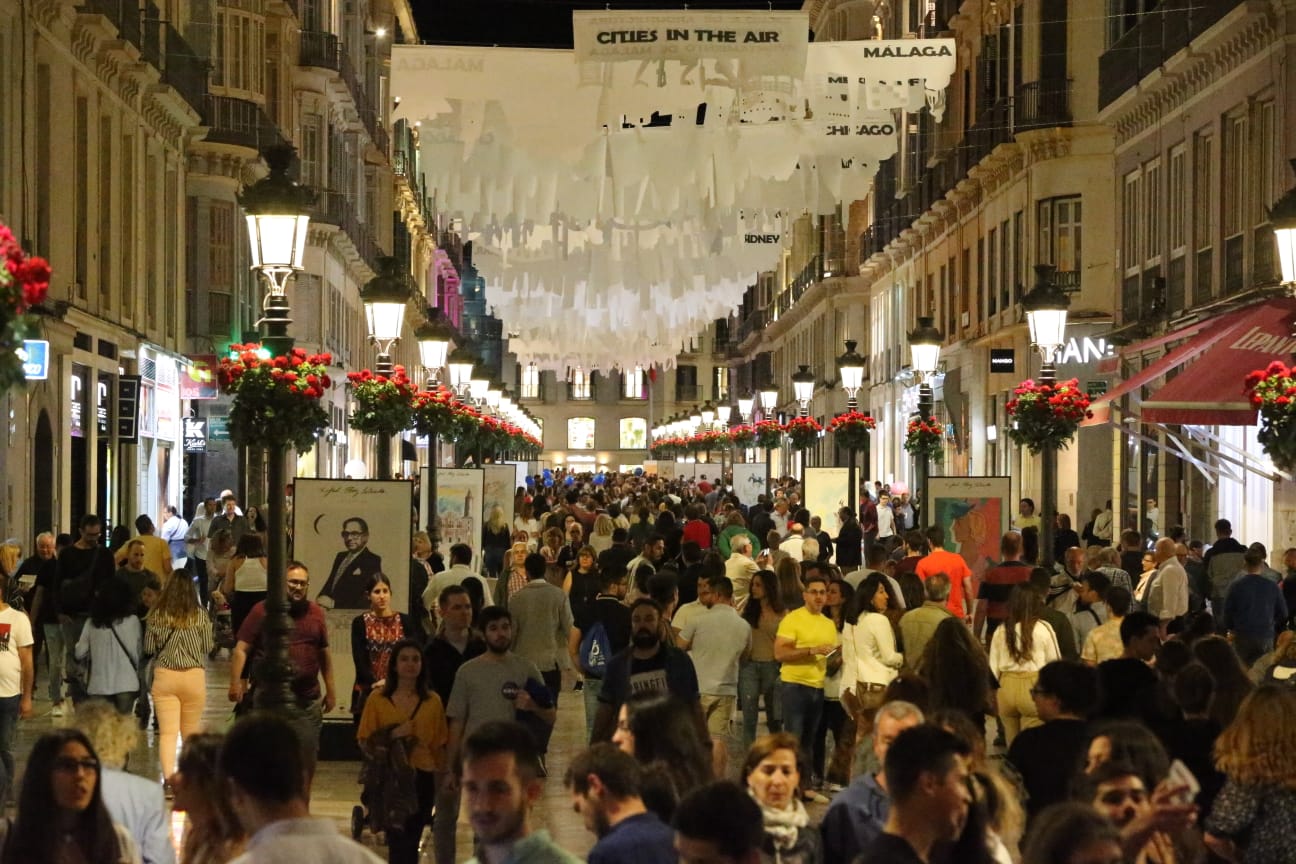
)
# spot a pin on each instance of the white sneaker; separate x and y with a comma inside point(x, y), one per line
point(57, 710)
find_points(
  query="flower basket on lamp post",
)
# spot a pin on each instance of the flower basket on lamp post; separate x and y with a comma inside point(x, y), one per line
point(1046, 415)
point(24, 282)
point(1273, 392)
point(276, 399)
point(925, 438)
point(803, 432)
point(768, 434)
point(852, 429)
point(382, 402)
point(743, 436)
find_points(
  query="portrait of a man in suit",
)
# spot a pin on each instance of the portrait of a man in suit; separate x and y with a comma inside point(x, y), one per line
point(352, 569)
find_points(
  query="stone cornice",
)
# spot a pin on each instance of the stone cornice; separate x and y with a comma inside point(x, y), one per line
point(1247, 32)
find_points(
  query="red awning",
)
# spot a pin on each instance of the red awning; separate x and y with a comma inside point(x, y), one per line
point(1211, 393)
point(1196, 344)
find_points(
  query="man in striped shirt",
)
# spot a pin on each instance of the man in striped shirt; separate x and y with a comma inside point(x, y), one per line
point(997, 585)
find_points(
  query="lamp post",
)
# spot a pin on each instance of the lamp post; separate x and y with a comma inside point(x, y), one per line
point(769, 396)
point(803, 382)
point(723, 414)
point(708, 414)
point(434, 337)
point(1046, 313)
point(1283, 219)
point(278, 215)
point(924, 355)
point(851, 368)
point(460, 366)
point(384, 298)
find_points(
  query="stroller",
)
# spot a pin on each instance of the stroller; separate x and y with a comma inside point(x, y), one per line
point(223, 635)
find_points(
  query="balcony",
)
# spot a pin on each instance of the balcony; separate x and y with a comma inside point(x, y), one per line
point(319, 50)
point(239, 122)
point(333, 208)
point(688, 393)
point(1156, 37)
point(124, 14)
point(1042, 104)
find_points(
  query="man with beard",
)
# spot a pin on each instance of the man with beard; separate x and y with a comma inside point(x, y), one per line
point(1154, 825)
point(499, 777)
point(604, 784)
point(927, 773)
point(649, 665)
point(497, 687)
point(308, 652)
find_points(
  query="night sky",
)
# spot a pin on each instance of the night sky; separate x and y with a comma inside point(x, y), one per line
point(534, 23)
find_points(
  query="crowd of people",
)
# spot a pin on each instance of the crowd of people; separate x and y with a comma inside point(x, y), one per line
point(757, 683)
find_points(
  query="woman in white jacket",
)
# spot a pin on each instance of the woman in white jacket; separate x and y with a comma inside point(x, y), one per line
point(870, 660)
point(1020, 648)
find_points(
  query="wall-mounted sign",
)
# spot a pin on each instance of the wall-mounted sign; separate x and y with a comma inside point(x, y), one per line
point(198, 379)
point(128, 396)
point(1085, 349)
point(1003, 360)
point(195, 435)
point(1095, 389)
point(218, 429)
point(34, 356)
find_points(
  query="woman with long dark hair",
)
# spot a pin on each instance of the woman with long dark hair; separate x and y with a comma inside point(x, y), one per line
point(374, 635)
point(212, 834)
point(758, 674)
point(1232, 685)
point(957, 671)
point(1020, 648)
point(61, 814)
point(662, 733)
point(407, 710)
point(245, 578)
point(870, 659)
point(112, 642)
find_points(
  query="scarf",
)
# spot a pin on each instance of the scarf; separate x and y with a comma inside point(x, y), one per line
point(784, 826)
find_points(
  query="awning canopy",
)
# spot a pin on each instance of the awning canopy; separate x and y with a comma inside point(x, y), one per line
point(1211, 393)
point(1196, 343)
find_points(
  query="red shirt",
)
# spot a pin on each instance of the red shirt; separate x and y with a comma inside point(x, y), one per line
point(953, 566)
point(306, 643)
point(699, 532)
point(997, 585)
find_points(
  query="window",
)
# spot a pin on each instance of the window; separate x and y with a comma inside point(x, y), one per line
point(1264, 269)
point(1006, 268)
point(129, 235)
point(992, 271)
point(1060, 234)
point(580, 433)
point(1131, 226)
point(579, 384)
point(530, 381)
point(312, 135)
point(1234, 162)
point(634, 433)
point(686, 386)
point(107, 171)
point(220, 265)
point(1176, 209)
point(1152, 219)
point(237, 52)
point(634, 383)
point(720, 382)
point(1019, 256)
point(1203, 198)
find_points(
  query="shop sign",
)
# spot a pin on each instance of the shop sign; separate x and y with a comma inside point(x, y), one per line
point(1003, 361)
point(77, 402)
point(34, 355)
point(198, 380)
point(102, 399)
point(1085, 350)
point(195, 435)
point(218, 429)
point(1095, 389)
point(128, 398)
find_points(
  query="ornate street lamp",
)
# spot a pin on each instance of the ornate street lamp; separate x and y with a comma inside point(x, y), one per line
point(278, 216)
point(385, 297)
point(850, 366)
point(803, 384)
point(434, 337)
point(1046, 312)
point(1283, 219)
point(769, 397)
point(746, 404)
point(460, 365)
point(924, 353)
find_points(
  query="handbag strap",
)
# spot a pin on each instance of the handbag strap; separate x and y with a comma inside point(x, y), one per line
point(165, 643)
point(113, 629)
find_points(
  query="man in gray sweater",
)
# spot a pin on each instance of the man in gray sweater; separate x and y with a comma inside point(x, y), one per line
point(542, 620)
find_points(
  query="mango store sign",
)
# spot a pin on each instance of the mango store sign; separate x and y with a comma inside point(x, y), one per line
point(1085, 349)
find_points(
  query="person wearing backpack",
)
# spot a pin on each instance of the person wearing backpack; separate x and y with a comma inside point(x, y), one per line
point(82, 567)
point(600, 629)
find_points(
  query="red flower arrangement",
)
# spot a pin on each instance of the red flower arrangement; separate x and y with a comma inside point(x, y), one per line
point(705, 442)
point(743, 435)
point(768, 434)
point(666, 448)
point(276, 399)
point(382, 402)
point(433, 411)
point(852, 429)
point(1273, 392)
point(1047, 415)
point(24, 282)
point(803, 432)
point(925, 437)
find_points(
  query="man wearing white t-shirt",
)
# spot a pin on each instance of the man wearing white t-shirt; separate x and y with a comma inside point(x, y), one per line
point(17, 672)
point(717, 640)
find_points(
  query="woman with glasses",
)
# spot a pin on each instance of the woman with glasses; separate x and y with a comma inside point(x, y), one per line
point(61, 814)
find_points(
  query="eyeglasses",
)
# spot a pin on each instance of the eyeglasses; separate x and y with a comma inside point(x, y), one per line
point(298, 583)
point(69, 765)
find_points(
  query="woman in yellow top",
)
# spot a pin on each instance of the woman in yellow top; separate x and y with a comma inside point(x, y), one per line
point(408, 709)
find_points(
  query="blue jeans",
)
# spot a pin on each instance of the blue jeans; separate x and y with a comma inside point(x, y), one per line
point(757, 679)
point(55, 653)
point(9, 708)
point(802, 707)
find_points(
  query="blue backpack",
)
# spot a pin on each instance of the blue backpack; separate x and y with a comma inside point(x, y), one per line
point(595, 650)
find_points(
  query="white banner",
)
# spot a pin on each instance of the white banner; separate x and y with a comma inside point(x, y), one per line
point(826, 491)
point(767, 43)
point(749, 482)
